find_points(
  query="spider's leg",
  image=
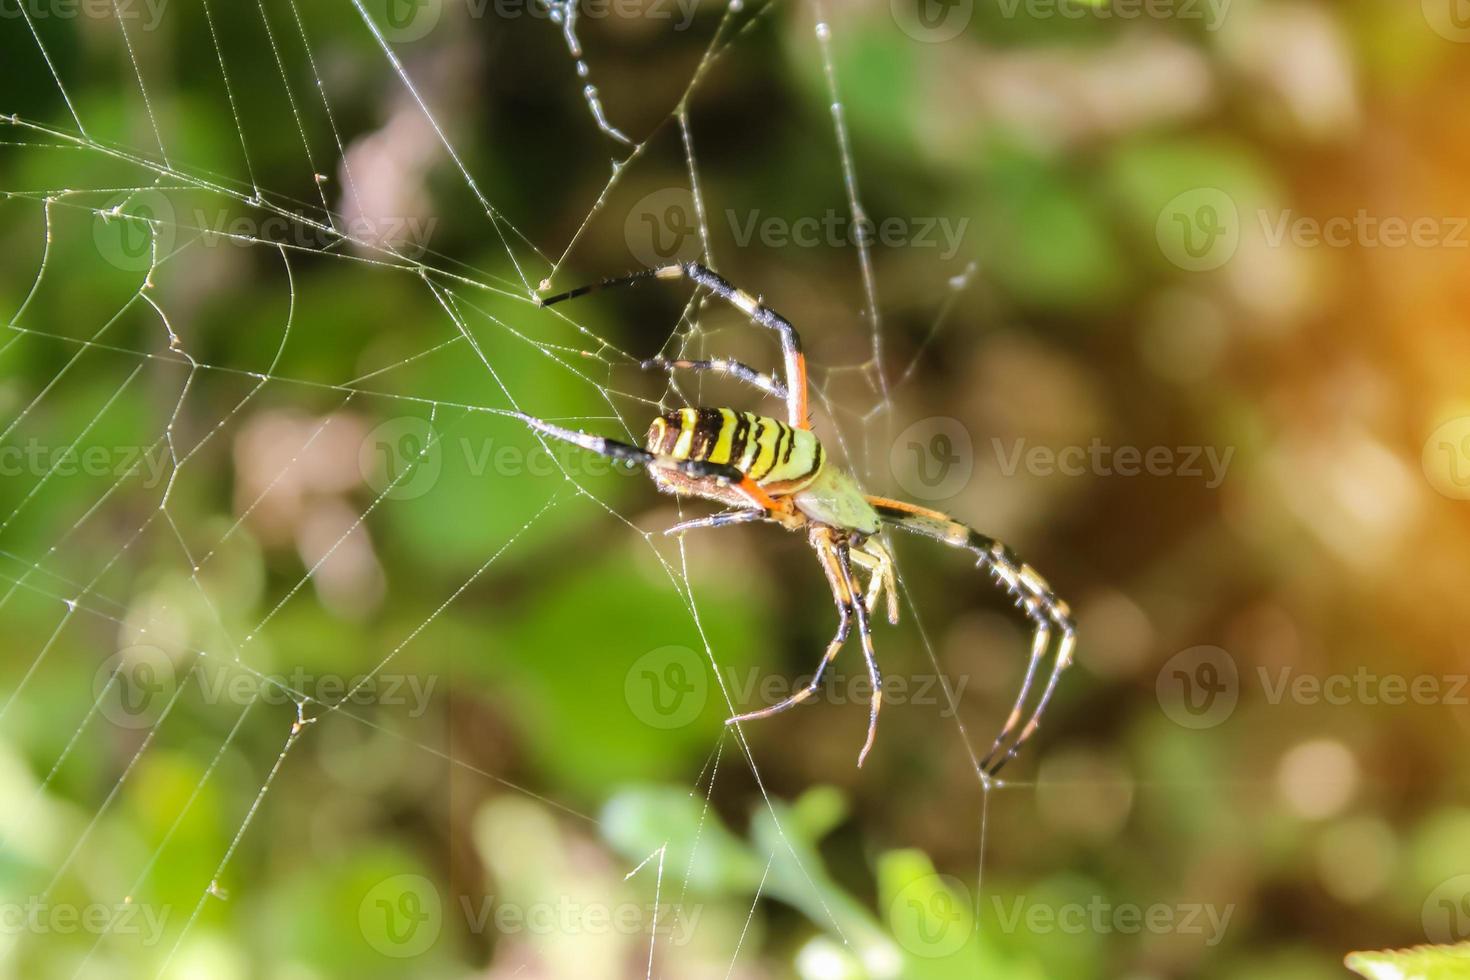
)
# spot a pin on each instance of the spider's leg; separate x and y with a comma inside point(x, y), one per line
point(642, 457)
point(1048, 614)
point(842, 597)
point(865, 634)
point(734, 369)
point(873, 556)
point(751, 306)
point(717, 520)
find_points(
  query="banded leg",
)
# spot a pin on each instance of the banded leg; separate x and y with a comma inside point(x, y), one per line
point(1048, 614)
point(699, 469)
point(633, 454)
point(717, 520)
point(842, 597)
point(874, 557)
point(751, 306)
point(733, 369)
point(870, 656)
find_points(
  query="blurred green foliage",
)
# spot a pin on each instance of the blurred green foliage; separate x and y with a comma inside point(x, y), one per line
point(329, 498)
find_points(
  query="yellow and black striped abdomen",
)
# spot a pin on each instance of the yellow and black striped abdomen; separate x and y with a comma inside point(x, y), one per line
point(765, 449)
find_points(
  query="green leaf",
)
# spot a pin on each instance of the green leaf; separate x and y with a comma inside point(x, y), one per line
point(1419, 963)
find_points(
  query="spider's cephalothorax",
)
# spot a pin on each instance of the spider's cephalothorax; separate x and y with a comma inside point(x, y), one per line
point(766, 469)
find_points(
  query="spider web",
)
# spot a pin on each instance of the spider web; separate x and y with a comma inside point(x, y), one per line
point(78, 170)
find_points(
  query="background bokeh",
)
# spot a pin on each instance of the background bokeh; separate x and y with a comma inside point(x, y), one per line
point(316, 668)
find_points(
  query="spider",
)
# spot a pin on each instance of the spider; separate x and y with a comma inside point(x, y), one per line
point(764, 469)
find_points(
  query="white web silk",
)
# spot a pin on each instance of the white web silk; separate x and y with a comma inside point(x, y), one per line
point(454, 299)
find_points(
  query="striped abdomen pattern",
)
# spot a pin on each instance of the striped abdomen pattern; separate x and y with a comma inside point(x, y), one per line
point(765, 449)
